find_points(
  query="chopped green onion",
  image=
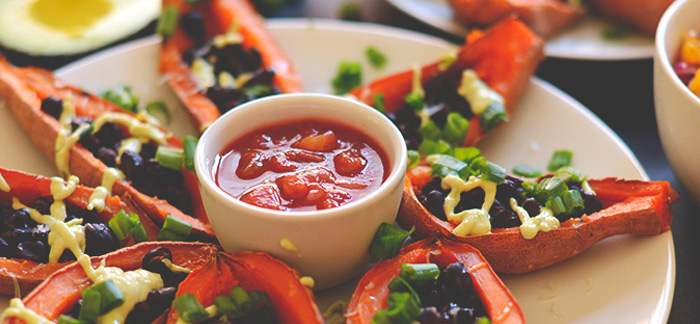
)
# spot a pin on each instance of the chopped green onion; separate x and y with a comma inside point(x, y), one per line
point(168, 21)
point(65, 319)
point(122, 97)
point(378, 100)
point(190, 309)
point(549, 188)
point(400, 284)
point(403, 309)
point(570, 175)
point(430, 131)
point(158, 108)
point(349, 76)
point(413, 159)
point(456, 128)
point(488, 171)
point(492, 116)
point(170, 157)
point(415, 101)
point(573, 202)
point(257, 297)
point(387, 242)
point(226, 306)
point(466, 154)
point(375, 57)
point(138, 232)
point(529, 186)
point(445, 165)
point(350, 11)
point(241, 299)
point(428, 147)
point(420, 274)
point(257, 91)
point(174, 229)
point(483, 320)
point(560, 158)
point(556, 204)
point(189, 144)
point(527, 171)
point(110, 297)
point(120, 225)
point(90, 310)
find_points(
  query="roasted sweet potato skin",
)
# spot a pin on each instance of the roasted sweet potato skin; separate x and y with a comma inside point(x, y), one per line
point(27, 188)
point(23, 89)
point(642, 14)
point(545, 17)
point(371, 293)
point(630, 207)
point(503, 56)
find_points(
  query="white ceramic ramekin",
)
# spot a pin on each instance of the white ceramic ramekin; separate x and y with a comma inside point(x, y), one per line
point(333, 244)
point(677, 108)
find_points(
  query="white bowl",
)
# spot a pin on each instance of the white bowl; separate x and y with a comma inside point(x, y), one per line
point(333, 244)
point(677, 108)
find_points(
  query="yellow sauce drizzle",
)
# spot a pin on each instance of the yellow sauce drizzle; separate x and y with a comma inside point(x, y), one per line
point(17, 309)
point(477, 93)
point(64, 143)
point(135, 127)
point(472, 221)
point(3, 184)
point(544, 221)
point(307, 281)
point(417, 85)
point(97, 199)
point(174, 267)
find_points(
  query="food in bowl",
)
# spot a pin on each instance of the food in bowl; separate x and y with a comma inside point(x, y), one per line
point(302, 165)
point(688, 65)
point(433, 281)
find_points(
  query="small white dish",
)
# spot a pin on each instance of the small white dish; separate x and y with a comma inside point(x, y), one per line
point(333, 244)
point(677, 108)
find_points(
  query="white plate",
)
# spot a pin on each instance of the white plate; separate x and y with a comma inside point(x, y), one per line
point(628, 279)
point(581, 41)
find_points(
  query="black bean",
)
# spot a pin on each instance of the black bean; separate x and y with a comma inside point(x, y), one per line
point(90, 142)
point(109, 135)
point(532, 207)
point(433, 295)
point(131, 164)
point(153, 260)
point(503, 218)
point(42, 205)
point(16, 235)
point(88, 216)
point(506, 190)
point(160, 299)
point(107, 155)
point(262, 77)
point(18, 219)
point(52, 106)
point(434, 203)
point(591, 203)
point(5, 212)
point(32, 250)
point(253, 59)
point(471, 199)
point(141, 313)
point(430, 315)
point(148, 151)
point(193, 25)
point(439, 116)
point(40, 233)
point(77, 121)
point(455, 276)
point(458, 104)
point(5, 249)
point(75, 310)
point(434, 184)
point(99, 239)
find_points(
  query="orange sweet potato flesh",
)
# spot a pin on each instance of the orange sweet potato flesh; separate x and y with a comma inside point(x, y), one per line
point(643, 14)
point(630, 207)
point(372, 292)
point(23, 90)
point(27, 188)
point(219, 16)
point(293, 303)
point(504, 57)
point(545, 17)
point(61, 290)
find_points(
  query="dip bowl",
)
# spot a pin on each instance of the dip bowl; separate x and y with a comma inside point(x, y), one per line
point(677, 108)
point(329, 245)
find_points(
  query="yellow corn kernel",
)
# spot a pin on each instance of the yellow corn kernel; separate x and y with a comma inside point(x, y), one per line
point(690, 51)
point(694, 84)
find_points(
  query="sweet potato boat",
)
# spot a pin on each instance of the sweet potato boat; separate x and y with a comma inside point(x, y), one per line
point(219, 16)
point(545, 17)
point(24, 89)
point(503, 56)
point(371, 293)
point(629, 207)
point(644, 15)
point(213, 273)
point(27, 188)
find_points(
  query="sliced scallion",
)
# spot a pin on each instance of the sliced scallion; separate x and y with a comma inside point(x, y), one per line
point(375, 57)
point(120, 225)
point(190, 309)
point(90, 310)
point(241, 299)
point(428, 147)
point(483, 320)
point(168, 21)
point(65, 319)
point(189, 144)
point(466, 154)
point(170, 157)
point(110, 296)
point(549, 188)
point(226, 306)
point(489, 171)
point(456, 128)
point(445, 165)
point(378, 101)
point(403, 308)
point(527, 171)
point(159, 109)
point(556, 204)
point(174, 229)
point(560, 158)
point(415, 101)
point(419, 274)
point(413, 159)
point(430, 131)
point(121, 96)
point(387, 242)
point(569, 175)
point(573, 202)
point(348, 77)
point(400, 284)
point(492, 116)
point(138, 232)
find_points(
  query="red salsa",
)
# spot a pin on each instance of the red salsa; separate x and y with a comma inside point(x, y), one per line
point(301, 165)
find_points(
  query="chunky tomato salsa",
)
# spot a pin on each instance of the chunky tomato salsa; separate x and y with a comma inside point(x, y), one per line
point(301, 166)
